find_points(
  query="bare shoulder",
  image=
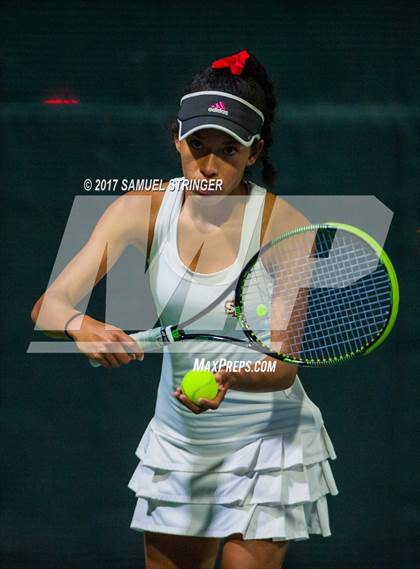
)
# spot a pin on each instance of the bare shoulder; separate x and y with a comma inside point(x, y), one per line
point(287, 216)
point(280, 216)
point(134, 213)
point(131, 202)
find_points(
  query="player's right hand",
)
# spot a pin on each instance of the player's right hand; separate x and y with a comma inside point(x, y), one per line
point(106, 344)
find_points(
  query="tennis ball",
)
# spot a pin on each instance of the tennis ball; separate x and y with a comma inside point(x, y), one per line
point(261, 310)
point(198, 384)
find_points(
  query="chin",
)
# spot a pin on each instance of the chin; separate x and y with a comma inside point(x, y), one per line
point(210, 197)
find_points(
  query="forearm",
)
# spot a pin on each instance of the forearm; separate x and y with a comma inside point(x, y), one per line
point(281, 377)
point(51, 313)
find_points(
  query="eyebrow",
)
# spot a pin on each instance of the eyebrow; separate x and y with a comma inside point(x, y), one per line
point(226, 140)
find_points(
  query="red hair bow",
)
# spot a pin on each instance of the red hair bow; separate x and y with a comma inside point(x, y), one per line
point(236, 62)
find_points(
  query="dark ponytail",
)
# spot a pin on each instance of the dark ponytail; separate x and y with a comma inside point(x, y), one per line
point(253, 85)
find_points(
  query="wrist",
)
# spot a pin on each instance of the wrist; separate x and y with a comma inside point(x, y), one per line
point(236, 380)
point(280, 377)
point(73, 325)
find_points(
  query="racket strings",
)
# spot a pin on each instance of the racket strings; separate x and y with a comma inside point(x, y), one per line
point(331, 303)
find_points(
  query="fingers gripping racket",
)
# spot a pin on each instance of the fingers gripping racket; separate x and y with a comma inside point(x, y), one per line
point(315, 296)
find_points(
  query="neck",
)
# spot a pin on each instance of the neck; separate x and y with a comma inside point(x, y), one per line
point(216, 210)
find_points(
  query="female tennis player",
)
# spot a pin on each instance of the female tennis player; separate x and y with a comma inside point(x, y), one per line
point(247, 472)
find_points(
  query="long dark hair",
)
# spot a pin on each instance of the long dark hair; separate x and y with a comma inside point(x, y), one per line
point(253, 85)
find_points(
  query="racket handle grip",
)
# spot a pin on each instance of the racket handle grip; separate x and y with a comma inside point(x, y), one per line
point(149, 341)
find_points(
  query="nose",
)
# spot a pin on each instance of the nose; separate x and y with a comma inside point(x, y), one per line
point(208, 166)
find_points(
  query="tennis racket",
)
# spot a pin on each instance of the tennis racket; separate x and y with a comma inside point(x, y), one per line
point(318, 295)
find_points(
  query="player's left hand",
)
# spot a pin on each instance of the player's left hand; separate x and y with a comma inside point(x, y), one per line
point(222, 378)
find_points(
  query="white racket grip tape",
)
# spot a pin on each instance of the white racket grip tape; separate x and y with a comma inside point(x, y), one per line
point(149, 341)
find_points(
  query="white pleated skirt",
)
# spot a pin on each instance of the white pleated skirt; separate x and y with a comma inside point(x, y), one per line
point(271, 487)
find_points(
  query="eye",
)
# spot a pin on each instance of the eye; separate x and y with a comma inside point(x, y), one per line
point(230, 150)
point(195, 143)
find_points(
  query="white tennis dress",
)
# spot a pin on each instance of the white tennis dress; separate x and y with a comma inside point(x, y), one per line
point(259, 464)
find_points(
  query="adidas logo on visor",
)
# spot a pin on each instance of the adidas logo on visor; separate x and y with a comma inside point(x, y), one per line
point(218, 107)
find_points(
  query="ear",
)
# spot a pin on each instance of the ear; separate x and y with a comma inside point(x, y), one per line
point(177, 143)
point(256, 149)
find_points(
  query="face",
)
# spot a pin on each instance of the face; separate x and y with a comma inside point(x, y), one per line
point(211, 153)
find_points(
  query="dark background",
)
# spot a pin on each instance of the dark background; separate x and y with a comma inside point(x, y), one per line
point(347, 78)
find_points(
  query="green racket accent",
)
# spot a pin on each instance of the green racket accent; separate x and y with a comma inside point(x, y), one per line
point(176, 334)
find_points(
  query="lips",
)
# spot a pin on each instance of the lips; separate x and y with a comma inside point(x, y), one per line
point(204, 192)
point(205, 186)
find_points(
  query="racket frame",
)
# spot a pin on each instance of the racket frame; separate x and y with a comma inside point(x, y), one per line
point(364, 350)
